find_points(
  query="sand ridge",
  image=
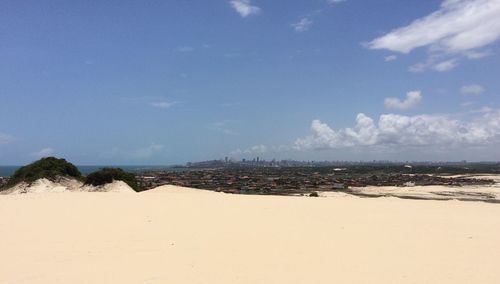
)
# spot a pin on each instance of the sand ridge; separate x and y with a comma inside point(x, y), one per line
point(65, 185)
point(177, 189)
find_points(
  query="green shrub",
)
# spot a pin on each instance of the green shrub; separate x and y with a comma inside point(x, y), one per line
point(50, 168)
point(108, 175)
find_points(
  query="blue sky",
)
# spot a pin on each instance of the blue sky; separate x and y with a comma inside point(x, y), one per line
point(164, 82)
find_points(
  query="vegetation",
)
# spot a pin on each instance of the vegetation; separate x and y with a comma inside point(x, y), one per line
point(108, 175)
point(50, 168)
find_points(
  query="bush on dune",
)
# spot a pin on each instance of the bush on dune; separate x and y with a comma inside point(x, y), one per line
point(108, 175)
point(50, 168)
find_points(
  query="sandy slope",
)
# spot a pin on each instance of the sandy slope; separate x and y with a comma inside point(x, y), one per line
point(115, 186)
point(176, 236)
point(44, 186)
point(65, 185)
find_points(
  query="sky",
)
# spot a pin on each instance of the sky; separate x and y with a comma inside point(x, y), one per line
point(167, 82)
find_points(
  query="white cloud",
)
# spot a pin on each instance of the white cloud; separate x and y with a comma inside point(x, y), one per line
point(147, 152)
point(433, 64)
point(244, 7)
point(5, 138)
point(390, 58)
point(419, 67)
point(472, 90)
point(162, 104)
point(398, 130)
point(45, 152)
point(458, 27)
point(445, 65)
point(303, 25)
point(185, 49)
point(412, 99)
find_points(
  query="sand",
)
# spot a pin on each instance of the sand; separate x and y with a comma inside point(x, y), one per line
point(487, 193)
point(175, 235)
point(116, 186)
point(44, 186)
point(65, 185)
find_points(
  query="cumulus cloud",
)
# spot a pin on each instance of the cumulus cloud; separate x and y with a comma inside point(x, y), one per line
point(412, 99)
point(5, 138)
point(244, 7)
point(472, 90)
point(303, 25)
point(458, 27)
point(45, 152)
point(399, 130)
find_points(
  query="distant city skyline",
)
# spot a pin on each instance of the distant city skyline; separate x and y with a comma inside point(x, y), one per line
point(170, 82)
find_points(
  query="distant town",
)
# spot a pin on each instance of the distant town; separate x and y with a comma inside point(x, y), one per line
point(258, 162)
point(288, 177)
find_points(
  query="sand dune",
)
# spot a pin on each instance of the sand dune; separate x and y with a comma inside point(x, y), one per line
point(45, 186)
point(190, 236)
point(115, 186)
point(65, 185)
point(177, 189)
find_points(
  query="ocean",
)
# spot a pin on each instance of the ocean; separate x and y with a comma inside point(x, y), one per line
point(6, 171)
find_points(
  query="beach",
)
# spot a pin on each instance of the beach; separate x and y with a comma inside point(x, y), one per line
point(178, 235)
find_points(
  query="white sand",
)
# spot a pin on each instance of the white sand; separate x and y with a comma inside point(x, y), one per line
point(490, 193)
point(65, 185)
point(172, 189)
point(45, 186)
point(438, 192)
point(176, 236)
point(115, 186)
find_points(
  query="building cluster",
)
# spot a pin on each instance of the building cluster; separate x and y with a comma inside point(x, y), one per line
point(259, 162)
point(254, 162)
point(286, 181)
